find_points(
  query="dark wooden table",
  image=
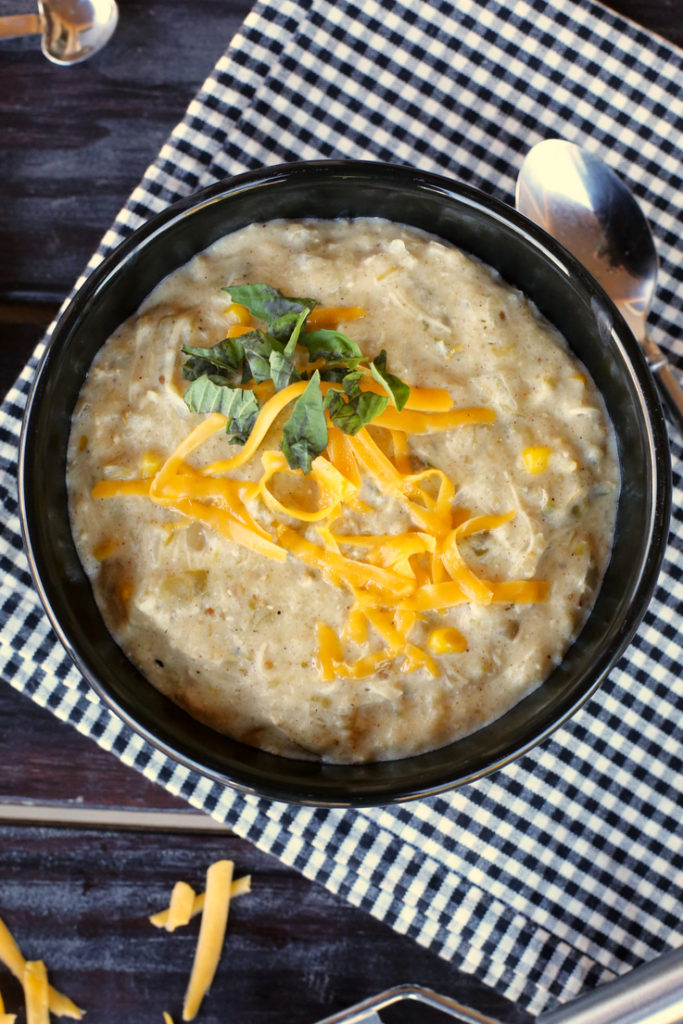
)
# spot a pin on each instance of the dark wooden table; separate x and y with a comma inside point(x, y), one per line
point(88, 848)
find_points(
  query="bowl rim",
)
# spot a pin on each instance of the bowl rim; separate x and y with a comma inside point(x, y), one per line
point(98, 279)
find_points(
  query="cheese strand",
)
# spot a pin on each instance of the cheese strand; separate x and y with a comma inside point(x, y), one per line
point(12, 957)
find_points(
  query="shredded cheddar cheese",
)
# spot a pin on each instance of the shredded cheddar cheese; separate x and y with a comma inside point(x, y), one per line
point(331, 316)
point(164, 919)
point(6, 1018)
point(10, 954)
point(211, 935)
point(213, 904)
point(36, 992)
point(395, 580)
point(180, 907)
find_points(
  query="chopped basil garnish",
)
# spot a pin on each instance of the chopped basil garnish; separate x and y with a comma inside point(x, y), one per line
point(266, 303)
point(225, 358)
point(239, 406)
point(330, 346)
point(222, 377)
point(282, 370)
point(357, 409)
point(258, 348)
point(304, 435)
point(397, 389)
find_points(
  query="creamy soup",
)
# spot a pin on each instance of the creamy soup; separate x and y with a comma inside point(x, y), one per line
point(422, 575)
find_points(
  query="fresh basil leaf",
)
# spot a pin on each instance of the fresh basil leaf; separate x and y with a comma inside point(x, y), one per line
point(296, 331)
point(261, 355)
point(337, 370)
point(330, 345)
point(268, 304)
point(357, 409)
point(226, 356)
point(334, 373)
point(369, 406)
point(397, 389)
point(258, 347)
point(304, 435)
point(282, 370)
point(239, 406)
point(195, 367)
point(286, 325)
point(351, 383)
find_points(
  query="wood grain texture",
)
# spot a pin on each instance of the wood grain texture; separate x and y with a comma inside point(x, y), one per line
point(293, 952)
point(47, 761)
point(76, 141)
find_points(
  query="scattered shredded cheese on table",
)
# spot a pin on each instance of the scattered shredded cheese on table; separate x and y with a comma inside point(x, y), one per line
point(163, 919)
point(211, 935)
point(6, 1018)
point(36, 992)
point(41, 999)
point(13, 958)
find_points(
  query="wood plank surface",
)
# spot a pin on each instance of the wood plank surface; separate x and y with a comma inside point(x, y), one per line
point(293, 952)
point(80, 897)
point(73, 144)
point(75, 141)
point(46, 761)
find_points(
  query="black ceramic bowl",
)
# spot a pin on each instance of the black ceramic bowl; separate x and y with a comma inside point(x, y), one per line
point(526, 257)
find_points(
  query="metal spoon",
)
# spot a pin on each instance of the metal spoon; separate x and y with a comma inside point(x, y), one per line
point(72, 30)
point(587, 207)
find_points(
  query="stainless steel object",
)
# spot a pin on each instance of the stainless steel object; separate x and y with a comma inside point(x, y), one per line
point(368, 1011)
point(72, 30)
point(649, 994)
point(578, 200)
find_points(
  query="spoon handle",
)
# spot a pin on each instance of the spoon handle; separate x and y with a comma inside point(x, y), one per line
point(669, 386)
point(14, 25)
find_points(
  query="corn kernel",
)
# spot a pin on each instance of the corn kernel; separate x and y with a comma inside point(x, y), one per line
point(150, 464)
point(238, 312)
point(446, 641)
point(536, 458)
point(105, 550)
point(237, 330)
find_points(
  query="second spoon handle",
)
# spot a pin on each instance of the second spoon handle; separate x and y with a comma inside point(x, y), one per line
point(664, 375)
point(14, 25)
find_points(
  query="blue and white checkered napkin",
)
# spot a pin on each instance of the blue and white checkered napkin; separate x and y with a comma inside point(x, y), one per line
point(564, 868)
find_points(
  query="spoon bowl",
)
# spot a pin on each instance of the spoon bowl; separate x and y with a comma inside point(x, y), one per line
point(581, 202)
point(71, 30)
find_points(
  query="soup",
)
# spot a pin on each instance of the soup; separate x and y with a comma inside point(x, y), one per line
point(355, 526)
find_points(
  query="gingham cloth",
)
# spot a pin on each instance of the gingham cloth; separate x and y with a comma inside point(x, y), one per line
point(564, 868)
